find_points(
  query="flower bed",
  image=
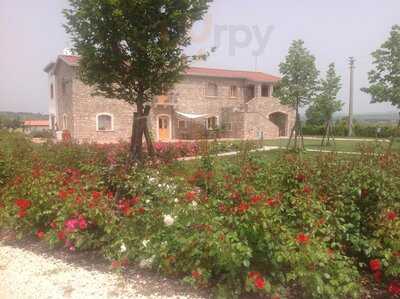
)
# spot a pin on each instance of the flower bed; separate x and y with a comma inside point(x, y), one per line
point(311, 228)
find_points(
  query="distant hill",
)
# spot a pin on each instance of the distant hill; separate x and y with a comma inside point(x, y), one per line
point(389, 117)
point(22, 115)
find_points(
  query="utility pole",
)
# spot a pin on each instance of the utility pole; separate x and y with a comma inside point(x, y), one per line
point(352, 67)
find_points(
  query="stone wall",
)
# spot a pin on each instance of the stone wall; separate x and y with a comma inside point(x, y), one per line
point(63, 91)
point(239, 120)
point(86, 108)
point(257, 118)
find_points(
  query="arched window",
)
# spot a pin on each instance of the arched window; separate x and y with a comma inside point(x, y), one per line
point(212, 90)
point(104, 122)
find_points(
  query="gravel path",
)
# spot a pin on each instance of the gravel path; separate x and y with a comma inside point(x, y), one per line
point(27, 271)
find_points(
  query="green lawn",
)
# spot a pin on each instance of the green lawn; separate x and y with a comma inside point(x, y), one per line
point(340, 145)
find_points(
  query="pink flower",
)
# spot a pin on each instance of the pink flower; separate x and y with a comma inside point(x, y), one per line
point(72, 224)
point(82, 223)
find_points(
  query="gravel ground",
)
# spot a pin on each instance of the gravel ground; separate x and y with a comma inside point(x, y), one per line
point(29, 270)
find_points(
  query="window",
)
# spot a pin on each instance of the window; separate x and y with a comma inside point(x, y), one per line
point(182, 124)
point(51, 91)
point(212, 123)
point(104, 122)
point(234, 91)
point(265, 91)
point(212, 90)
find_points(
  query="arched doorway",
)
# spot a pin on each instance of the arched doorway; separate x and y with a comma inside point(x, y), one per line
point(280, 119)
point(164, 128)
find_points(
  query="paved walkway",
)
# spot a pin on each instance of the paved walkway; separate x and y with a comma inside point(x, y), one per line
point(28, 274)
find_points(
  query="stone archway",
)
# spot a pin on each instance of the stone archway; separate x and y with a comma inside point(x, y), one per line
point(280, 119)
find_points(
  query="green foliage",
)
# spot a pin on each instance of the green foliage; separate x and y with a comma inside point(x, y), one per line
point(132, 50)
point(384, 79)
point(303, 226)
point(299, 77)
point(325, 103)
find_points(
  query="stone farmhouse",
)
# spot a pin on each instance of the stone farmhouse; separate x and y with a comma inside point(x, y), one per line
point(207, 102)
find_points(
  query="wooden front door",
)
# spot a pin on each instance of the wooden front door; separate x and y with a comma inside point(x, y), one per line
point(163, 128)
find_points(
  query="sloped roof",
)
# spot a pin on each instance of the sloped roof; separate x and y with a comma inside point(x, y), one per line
point(201, 71)
point(220, 73)
point(36, 123)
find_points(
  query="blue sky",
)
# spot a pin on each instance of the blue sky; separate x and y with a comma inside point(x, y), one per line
point(31, 35)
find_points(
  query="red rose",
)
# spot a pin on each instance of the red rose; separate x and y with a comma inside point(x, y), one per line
point(96, 195)
point(255, 199)
point(40, 234)
point(307, 190)
point(63, 194)
point(259, 283)
point(196, 274)
point(378, 276)
point(253, 275)
point(243, 207)
point(23, 203)
point(21, 213)
point(190, 196)
point(394, 288)
point(302, 238)
point(300, 178)
point(391, 215)
point(270, 202)
point(61, 235)
point(53, 225)
point(375, 265)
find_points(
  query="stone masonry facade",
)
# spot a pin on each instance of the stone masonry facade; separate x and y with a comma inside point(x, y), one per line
point(207, 102)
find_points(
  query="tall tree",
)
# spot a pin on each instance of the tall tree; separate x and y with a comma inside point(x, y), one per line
point(298, 85)
point(326, 103)
point(133, 50)
point(314, 116)
point(385, 78)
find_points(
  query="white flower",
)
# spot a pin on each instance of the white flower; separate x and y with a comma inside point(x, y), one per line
point(176, 200)
point(168, 220)
point(194, 204)
point(145, 242)
point(123, 248)
point(148, 201)
point(146, 263)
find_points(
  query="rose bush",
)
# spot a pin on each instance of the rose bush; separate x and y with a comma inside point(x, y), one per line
point(307, 227)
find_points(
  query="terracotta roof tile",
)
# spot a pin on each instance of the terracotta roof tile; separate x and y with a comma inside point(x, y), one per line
point(36, 123)
point(210, 72)
point(202, 71)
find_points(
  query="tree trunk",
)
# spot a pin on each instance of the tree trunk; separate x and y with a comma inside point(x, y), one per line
point(137, 133)
point(149, 141)
point(298, 132)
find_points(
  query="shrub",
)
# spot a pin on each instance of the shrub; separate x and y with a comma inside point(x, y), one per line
point(313, 227)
